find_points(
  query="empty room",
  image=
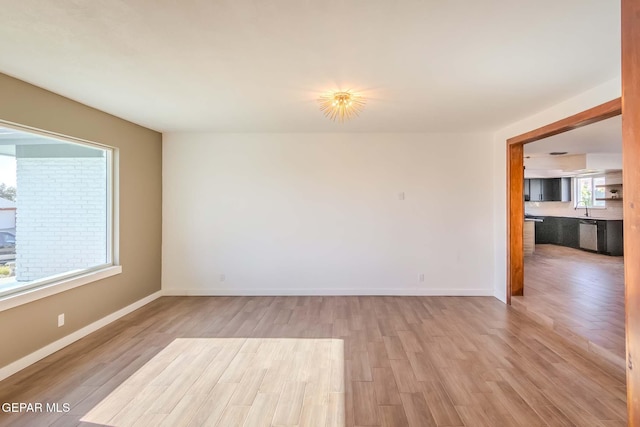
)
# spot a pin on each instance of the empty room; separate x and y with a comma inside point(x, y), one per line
point(298, 213)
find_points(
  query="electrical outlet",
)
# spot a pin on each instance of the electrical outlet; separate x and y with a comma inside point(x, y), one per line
point(401, 196)
point(222, 277)
point(422, 277)
point(60, 320)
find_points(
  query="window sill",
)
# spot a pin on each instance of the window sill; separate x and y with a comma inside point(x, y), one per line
point(29, 295)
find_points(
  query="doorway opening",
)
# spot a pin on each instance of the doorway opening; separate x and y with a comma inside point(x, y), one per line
point(515, 184)
point(573, 237)
point(516, 194)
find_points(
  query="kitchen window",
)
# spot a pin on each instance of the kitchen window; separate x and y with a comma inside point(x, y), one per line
point(56, 213)
point(588, 190)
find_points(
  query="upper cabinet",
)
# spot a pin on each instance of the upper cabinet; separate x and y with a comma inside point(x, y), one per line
point(547, 189)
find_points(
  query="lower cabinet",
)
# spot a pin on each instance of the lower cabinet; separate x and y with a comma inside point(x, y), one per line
point(569, 232)
point(547, 230)
point(566, 232)
point(610, 238)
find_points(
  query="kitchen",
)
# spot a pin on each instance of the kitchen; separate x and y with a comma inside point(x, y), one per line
point(573, 238)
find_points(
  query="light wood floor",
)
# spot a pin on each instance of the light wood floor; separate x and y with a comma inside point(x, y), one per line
point(229, 381)
point(580, 295)
point(418, 361)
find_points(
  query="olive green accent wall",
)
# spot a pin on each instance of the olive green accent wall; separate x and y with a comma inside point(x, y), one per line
point(29, 327)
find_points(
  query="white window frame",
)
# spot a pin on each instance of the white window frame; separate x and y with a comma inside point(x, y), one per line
point(578, 197)
point(52, 285)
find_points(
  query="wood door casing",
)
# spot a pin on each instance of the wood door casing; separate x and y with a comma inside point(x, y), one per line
point(631, 182)
point(515, 220)
point(515, 183)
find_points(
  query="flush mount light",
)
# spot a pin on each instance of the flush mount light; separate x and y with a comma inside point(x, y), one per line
point(341, 106)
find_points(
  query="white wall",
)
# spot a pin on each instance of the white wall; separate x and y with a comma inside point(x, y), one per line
point(7, 214)
point(7, 218)
point(596, 96)
point(321, 214)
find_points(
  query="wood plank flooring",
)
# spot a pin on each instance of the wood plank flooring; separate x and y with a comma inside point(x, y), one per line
point(404, 361)
point(255, 381)
point(578, 294)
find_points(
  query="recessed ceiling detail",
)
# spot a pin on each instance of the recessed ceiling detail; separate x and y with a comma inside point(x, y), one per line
point(601, 137)
point(342, 105)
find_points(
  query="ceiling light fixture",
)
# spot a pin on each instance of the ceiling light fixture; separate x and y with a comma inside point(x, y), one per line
point(342, 105)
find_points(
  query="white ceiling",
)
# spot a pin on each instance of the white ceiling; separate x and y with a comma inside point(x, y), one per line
point(258, 66)
point(600, 137)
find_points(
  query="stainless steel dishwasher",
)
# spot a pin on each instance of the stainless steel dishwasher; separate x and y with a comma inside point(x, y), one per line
point(589, 235)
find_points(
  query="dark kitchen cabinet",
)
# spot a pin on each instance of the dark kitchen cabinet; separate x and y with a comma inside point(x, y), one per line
point(564, 185)
point(547, 189)
point(535, 190)
point(547, 230)
point(569, 232)
point(610, 238)
point(558, 231)
point(566, 232)
point(550, 190)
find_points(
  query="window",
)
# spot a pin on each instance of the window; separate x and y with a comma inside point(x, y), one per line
point(588, 190)
point(55, 209)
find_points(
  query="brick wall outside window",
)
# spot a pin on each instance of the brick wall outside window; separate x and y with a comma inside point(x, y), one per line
point(61, 215)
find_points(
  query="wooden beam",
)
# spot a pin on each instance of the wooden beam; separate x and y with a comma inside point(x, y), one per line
point(592, 115)
point(515, 220)
point(631, 182)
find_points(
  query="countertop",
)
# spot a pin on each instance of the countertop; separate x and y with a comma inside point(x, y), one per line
point(533, 217)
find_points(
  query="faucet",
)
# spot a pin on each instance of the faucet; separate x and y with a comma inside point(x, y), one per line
point(586, 207)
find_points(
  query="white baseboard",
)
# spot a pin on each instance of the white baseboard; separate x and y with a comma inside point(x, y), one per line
point(37, 355)
point(328, 292)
